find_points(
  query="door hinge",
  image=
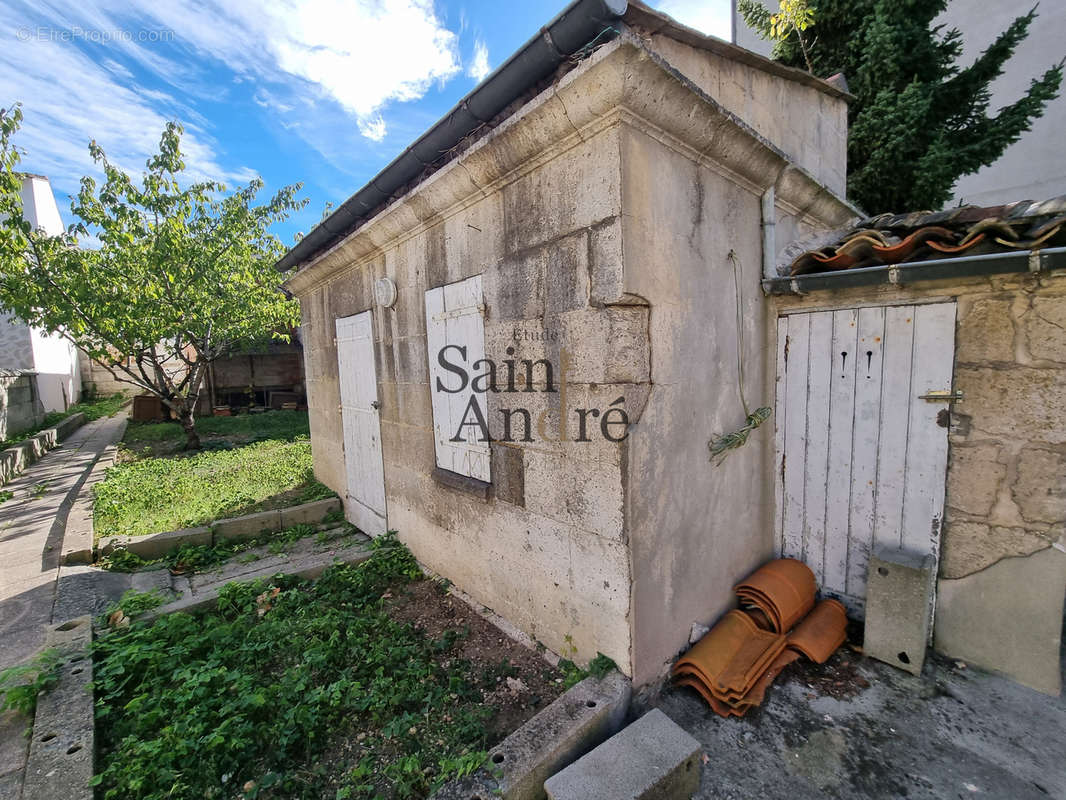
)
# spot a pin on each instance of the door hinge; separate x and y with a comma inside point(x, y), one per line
point(942, 397)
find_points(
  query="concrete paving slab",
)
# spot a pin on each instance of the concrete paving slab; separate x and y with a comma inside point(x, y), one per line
point(899, 599)
point(652, 759)
point(32, 527)
point(955, 731)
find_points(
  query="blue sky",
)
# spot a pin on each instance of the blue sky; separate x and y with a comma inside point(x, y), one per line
point(322, 92)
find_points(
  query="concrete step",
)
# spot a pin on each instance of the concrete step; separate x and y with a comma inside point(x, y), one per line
point(652, 759)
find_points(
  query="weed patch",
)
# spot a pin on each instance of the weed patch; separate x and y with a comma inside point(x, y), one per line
point(289, 689)
point(20, 685)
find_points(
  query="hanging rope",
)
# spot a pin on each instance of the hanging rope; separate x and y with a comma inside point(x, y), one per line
point(722, 444)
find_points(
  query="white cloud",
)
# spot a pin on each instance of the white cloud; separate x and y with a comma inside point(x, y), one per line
point(68, 100)
point(714, 17)
point(332, 62)
point(373, 129)
point(363, 55)
point(479, 67)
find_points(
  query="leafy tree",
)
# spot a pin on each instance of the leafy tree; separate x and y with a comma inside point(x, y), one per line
point(919, 121)
point(182, 275)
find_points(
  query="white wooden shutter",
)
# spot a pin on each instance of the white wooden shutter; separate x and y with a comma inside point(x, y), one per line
point(454, 317)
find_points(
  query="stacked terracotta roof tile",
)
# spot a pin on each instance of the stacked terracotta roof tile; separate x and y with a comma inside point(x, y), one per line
point(777, 622)
point(922, 235)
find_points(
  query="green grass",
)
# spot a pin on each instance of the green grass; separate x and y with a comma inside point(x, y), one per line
point(290, 689)
point(286, 425)
point(93, 409)
point(272, 470)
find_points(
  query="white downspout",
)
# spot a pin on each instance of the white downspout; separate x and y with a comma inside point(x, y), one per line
point(769, 237)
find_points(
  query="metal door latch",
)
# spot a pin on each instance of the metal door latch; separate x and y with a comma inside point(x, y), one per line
point(374, 404)
point(942, 397)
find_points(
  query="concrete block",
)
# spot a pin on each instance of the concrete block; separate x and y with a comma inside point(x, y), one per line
point(247, 527)
point(652, 759)
point(1007, 618)
point(60, 761)
point(308, 513)
point(157, 545)
point(583, 717)
point(67, 426)
point(898, 597)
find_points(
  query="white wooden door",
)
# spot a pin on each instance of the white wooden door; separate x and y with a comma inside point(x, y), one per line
point(861, 457)
point(454, 316)
point(365, 505)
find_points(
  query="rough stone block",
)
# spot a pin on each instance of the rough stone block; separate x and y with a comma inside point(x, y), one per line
point(986, 331)
point(1039, 490)
point(309, 513)
point(1045, 328)
point(972, 546)
point(1009, 401)
point(606, 269)
point(515, 288)
point(974, 478)
point(566, 274)
point(247, 527)
point(509, 474)
point(572, 725)
point(156, 545)
point(898, 596)
point(1007, 618)
point(652, 759)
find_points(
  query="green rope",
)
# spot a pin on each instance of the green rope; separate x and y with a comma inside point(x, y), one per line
point(722, 444)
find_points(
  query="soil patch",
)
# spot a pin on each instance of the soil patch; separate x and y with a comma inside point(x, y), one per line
point(516, 681)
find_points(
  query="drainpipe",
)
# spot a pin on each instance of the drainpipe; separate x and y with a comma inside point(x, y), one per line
point(769, 238)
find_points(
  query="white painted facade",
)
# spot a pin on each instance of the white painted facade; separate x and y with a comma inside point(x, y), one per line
point(1032, 168)
point(53, 358)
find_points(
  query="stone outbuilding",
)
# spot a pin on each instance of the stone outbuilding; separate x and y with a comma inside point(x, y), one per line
point(580, 261)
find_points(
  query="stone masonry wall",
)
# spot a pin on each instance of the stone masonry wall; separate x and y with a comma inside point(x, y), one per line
point(1006, 492)
point(547, 550)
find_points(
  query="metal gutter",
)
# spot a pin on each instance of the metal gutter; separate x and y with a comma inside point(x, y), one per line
point(574, 27)
point(1051, 258)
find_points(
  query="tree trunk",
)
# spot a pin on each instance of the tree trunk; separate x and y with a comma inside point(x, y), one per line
point(188, 424)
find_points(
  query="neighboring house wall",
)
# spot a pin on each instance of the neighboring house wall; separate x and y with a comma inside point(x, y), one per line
point(1002, 569)
point(51, 356)
point(600, 217)
point(1031, 168)
point(55, 360)
point(20, 404)
point(96, 378)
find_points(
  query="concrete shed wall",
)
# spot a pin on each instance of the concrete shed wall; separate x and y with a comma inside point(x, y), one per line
point(600, 216)
point(546, 550)
point(807, 124)
point(695, 529)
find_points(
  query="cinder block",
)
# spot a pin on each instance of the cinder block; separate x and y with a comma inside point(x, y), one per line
point(583, 717)
point(156, 545)
point(247, 527)
point(652, 759)
point(899, 589)
point(308, 513)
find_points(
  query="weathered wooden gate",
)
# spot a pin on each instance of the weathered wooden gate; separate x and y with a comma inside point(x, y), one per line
point(364, 470)
point(861, 436)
